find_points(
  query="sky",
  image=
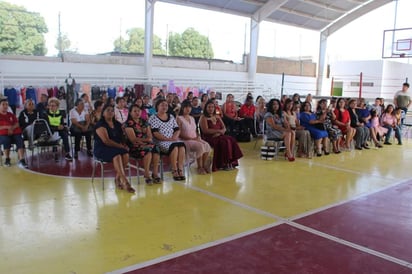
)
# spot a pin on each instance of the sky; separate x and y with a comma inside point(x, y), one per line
point(93, 28)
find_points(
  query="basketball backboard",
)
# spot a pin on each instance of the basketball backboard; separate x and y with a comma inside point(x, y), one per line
point(397, 43)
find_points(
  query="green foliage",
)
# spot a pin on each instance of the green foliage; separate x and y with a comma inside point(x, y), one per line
point(190, 44)
point(135, 43)
point(21, 31)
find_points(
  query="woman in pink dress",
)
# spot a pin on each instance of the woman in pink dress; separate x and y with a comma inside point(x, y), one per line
point(376, 129)
point(194, 144)
point(226, 150)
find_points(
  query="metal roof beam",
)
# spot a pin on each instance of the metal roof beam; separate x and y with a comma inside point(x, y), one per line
point(353, 15)
point(267, 9)
point(306, 15)
point(187, 3)
point(324, 6)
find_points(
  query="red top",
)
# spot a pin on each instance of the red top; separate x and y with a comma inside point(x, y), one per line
point(230, 110)
point(8, 119)
point(247, 111)
point(343, 117)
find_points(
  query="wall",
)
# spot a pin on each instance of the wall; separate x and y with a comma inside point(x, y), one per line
point(289, 67)
point(387, 77)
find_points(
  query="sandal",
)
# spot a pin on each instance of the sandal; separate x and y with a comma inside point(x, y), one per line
point(128, 187)
point(148, 181)
point(156, 179)
point(181, 176)
point(176, 175)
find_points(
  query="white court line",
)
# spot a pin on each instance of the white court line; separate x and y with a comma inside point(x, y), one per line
point(194, 249)
point(320, 209)
point(350, 244)
point(279, 220)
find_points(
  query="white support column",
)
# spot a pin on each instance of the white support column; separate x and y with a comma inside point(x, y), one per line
point(321, 62)
point(254, 42)
point(148, 49)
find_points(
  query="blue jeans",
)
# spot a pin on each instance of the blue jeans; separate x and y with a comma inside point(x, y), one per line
point(398, 134)
point(7, 140)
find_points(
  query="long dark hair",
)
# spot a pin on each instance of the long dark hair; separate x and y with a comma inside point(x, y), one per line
point(269, 107)
point(288, 101)
point(129, 117)
point(319, 108)
point(185, 104)
point(106, 106)
point(205, 113)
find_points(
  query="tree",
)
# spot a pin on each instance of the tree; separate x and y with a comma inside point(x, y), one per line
point(21, 31)
point(190, 44)
point(135, 43)
point(65, 44)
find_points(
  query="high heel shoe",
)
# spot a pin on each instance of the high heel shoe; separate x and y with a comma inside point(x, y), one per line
point(290, 159)
point(126, 186)
point(176, 176)
point(181, 176)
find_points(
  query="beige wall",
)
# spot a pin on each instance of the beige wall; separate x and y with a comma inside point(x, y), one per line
point(289, 67)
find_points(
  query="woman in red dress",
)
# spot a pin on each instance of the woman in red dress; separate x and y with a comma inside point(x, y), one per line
point(226, 150)
point(343, 122)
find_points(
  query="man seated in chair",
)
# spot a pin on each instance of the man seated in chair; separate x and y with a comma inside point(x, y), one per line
point(10, 132)
point(56, 123)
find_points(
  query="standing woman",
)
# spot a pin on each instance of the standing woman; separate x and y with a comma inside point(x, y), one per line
point(275, 128)
point(343, 122)
point(110, 147)
point(141, 144)
point(192, 140)
point(226, 150)
point(302, 135)
point(166, 133)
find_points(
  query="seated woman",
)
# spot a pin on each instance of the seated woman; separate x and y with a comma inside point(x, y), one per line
point(55, 119)
point(260, 114)
point(96, 114)
point(166, 133)
point(362, 131)
point(230, 114)
point(316, 127)
point(376, 129)
point(141, 146)
point(343, 122)
point(389, 122)
point(10, 133)
point(194, 144)
point(80, 121)
point(226, 150)
point(121, 111)
point(275, 128)
point(26, 119)
point(247, 113)
point(326, 114)
point(302, 135)
point(143, 112)
point(109, 146)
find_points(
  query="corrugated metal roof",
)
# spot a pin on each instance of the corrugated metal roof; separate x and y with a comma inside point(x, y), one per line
point(309, 14)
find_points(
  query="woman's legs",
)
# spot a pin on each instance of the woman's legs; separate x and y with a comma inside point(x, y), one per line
point(155, 162)
point(147, 160)
point(292, 142)
point(173, 158)
point(181, 158)
point(318, 147)
point(325, 142)
point(287, 139)
point(118, 164)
